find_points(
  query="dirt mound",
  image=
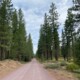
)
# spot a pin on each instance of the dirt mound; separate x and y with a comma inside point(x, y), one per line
point(8, 66)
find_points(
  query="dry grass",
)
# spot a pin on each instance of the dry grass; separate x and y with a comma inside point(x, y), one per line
point(61, 75)
point(8, 66)
point(59, 72)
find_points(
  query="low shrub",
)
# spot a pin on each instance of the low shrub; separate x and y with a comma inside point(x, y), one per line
point(63, 63)
point(77, 71)
point(52, 66)
point(72, 67)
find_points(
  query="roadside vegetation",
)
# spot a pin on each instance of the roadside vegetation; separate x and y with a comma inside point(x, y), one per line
point(61, 52)
point(68, 70)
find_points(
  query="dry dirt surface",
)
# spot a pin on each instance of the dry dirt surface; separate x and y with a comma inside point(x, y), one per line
point(8, 66)
point(62, 74)
point(30, 71)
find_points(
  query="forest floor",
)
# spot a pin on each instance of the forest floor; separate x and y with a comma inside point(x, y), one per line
point(59, 73)
point(8, 66)
point(62, 75)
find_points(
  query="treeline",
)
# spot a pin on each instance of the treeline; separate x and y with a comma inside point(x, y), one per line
point(14, 43)
point(49, 44)
point(49, 38)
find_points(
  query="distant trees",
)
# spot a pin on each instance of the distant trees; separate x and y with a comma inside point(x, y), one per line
point(71, 33)
point(49, 39)
point(68, 34)
point(53, 21)
point(63, 46)
point(13, 39)
point(44, 45)
point(41, 51)
point(30, 47)
point(14, 43)
point(48, 45)
point(76, 8)
point(5, 27)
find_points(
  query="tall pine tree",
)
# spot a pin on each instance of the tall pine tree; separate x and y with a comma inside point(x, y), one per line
point(30, 47)
point(53, 20)
point(76, 8)
point(69, 34)
point(6, 9)
point(14, 44)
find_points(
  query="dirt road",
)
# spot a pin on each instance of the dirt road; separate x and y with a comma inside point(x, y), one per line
point(30, 71)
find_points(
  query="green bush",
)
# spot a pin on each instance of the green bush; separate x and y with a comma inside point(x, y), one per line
point(72, 67)
point(52, 66)
point(77, 71)
point(63, 63)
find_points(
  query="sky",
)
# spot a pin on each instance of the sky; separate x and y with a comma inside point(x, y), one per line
point(34, 11)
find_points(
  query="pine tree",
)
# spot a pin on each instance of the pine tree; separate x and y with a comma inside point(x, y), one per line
point(5, 28)
point(47, 35)
point(13, 38)
point(49, 38)
point(41, 45)
point(77, 51)
point(63, 47)
point(76, 8)
point(54, 26)
point(44, 45)
point(14, 44)
point(21, 37)
point(69, 33)
point(30, 47)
